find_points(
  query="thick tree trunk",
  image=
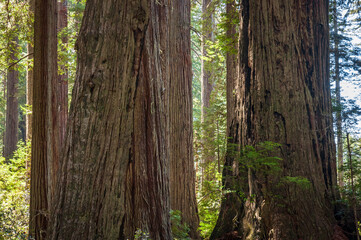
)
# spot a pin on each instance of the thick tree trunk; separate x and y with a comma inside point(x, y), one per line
point(62, 78)
point(12, 113)
point(45, 138)
point(182, 174)
point(283, 96)
point(338, 99)
point(114, 178)
point(29, 82)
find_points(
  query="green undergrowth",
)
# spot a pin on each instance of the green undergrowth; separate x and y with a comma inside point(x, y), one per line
point(15, 194)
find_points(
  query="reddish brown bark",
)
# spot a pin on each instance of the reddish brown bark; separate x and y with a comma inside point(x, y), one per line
point(283, 96)
point(44, 156)
point(182, 174)
point(231, 59)
point(114, 177)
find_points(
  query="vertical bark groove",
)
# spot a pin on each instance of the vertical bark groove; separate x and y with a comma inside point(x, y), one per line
point(114, 178)
point(283, 96)
point(182, 174)
point(44, 156)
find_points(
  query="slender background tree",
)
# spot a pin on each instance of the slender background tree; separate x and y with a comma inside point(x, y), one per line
point(45, 141)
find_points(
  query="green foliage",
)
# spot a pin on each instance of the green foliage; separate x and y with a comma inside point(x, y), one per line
point(140, 235)
point(209, 205)
point(355, 165)
point(261, 158)
point(14, 194)
point(302, 182)
point(67, 37)
point(179, 230)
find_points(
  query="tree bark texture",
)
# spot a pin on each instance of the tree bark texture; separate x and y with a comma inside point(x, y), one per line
point(283, 96)
point(62, 78)
point(29, 81)
point(182, 174)
point(114, 178)
point(12, 112)
point(231, 59)
point(44, 156)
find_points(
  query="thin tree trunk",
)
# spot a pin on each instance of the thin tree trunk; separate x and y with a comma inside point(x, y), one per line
point(29, 81)
point(63, 78)
point(231, 59)
point(12, 113)
point(29, 94)
point(207, 36)
point(353, 200)
point(45, 137)
point(114, 179)
point(283, 63)
point(182, 174)
point(206, 88)
point(338, 99)
point(231, 203)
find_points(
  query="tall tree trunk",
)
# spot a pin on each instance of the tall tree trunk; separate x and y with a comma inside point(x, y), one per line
point(353, 195)
point(206, 87)
point(338, 99)
point(231, 203)
point(12, 113)
point(114, 178)
point(63, 78)
point(29, 94)
point(231, 59)
point(283, 63)
point(182, 174)
point(29, 81)
point(45, 137)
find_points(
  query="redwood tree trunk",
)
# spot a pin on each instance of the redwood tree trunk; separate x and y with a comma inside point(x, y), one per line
point(114, 178)
point(12, 113)
point(231, 59)
point(182, 174)
point(44, 155)
point(283, 96)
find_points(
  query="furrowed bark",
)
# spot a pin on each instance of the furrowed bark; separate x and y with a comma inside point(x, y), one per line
point(182, 174)
point(45, 152)
point(114, 178)
point(283, 96)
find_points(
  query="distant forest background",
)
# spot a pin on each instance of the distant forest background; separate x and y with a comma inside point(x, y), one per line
point(214, 48)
